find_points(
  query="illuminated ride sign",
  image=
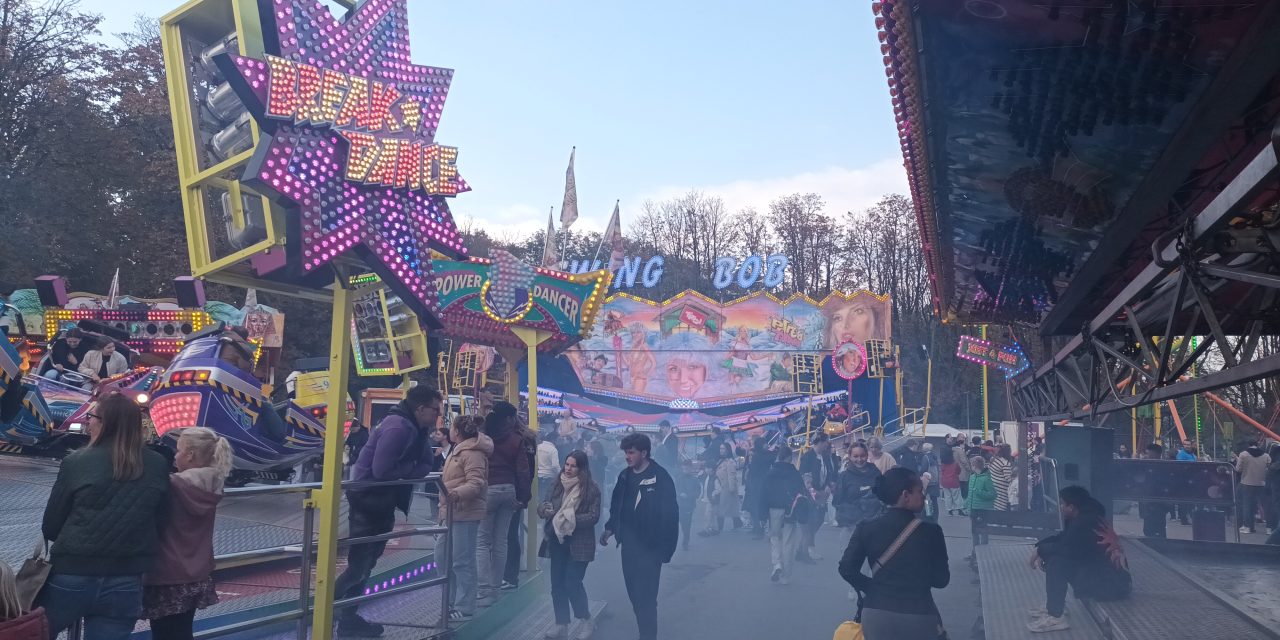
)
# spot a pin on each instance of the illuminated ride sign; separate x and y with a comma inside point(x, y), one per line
point(348, 128)
point(768, 271)
point(1009, 359)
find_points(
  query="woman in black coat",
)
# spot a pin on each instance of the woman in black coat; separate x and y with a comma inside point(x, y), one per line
point(898, 595)
point(757, 471)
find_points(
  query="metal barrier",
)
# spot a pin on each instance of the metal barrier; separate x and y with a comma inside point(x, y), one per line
point(273, 554)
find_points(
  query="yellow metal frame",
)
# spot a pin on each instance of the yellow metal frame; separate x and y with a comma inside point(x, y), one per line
point(417, 340)
point(328, 499)
point(531, 339)
point(194, 181)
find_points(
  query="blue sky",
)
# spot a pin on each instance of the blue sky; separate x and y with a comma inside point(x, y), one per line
point(747, 100)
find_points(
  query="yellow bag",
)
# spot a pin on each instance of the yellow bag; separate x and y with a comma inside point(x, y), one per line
point(848, 630)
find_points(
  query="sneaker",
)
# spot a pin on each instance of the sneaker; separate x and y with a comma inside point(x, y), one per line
point(1041, 612)
point(1246, 530)
point(508, 586)
point(813, 553)
point(1048, 623)
point(458, 616)
point(586, 630)
point(558, 631)
point(776, 575)
point(357, 627)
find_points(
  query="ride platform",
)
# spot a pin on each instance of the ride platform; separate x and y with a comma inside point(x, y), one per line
point(245, 524)
point(1181, 591)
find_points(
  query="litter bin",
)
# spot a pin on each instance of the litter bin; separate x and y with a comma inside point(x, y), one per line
point(1209, 526)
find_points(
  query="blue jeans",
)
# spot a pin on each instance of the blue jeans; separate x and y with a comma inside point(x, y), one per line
point(464, 565)
point(491, 542)
point(110, 605)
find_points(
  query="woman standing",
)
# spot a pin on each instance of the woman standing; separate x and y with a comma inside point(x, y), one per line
point(104, 515)
point(465, 478)
point(509, 489)
point(1002, 475)
point(182, 579)
point(723, 491)
point(908, 560)
point(571, 512)
point(883, 460)
point(949, 468)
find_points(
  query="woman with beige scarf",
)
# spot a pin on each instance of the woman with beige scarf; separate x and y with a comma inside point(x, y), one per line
point(571, 512)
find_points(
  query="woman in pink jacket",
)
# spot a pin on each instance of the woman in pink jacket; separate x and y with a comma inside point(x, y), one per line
point(182, 578)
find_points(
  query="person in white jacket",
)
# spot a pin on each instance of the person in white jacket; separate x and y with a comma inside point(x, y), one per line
point(103, 362)
point(548, 464)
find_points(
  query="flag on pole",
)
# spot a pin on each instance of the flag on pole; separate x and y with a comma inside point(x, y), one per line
point(549, 254)
point(113, 294)
point(569, 208)
point(613, 238)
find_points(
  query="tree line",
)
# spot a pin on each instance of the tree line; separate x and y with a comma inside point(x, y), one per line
point(88, 184)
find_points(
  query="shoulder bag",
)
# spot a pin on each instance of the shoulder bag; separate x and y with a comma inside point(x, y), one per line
point(33, 574)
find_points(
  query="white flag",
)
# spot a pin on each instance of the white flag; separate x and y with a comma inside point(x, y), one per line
point(569, 208)
point(549, 255)
point(113, 294)
point(613, 239)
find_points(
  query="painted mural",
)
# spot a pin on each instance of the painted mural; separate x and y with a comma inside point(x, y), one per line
point(691, 351)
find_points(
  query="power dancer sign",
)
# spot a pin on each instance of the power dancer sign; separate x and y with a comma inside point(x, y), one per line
point(349, 129)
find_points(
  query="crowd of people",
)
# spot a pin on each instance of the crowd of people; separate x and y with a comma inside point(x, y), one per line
point(131, 533)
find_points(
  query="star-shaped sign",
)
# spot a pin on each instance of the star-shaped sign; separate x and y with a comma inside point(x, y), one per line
point(348, 139)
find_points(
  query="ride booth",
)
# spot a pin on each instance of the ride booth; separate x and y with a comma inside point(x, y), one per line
point(753, 366)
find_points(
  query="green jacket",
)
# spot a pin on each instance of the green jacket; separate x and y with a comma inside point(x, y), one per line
point(982, 491)
point(102, 527)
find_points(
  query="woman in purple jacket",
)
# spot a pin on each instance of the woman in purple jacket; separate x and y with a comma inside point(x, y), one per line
point(182, 580)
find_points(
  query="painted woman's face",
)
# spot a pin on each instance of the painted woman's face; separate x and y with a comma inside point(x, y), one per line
point(852, 323)
point(685, 377)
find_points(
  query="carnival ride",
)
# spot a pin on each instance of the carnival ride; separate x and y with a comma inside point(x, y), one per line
point(1105, 174)
point(44, 417)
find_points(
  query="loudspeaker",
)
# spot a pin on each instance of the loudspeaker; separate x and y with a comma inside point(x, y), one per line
point(190, 292)
point(52, 290)
point(1083, 457)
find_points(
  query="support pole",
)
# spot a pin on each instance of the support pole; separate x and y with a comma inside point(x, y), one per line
point(531, 338)
point(986, 409)
point(1133, 417)
point(897, 382)
point(328, 499)
point(1156, 412)
point(880, 415)
point(928, 389)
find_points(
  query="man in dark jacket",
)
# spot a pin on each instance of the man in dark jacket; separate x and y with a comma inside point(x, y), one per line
point(668, 449)
point(820, 463)
point(1087, 555)
point(66, 354)
point(645, 515)
point(783, 484)
point(398, 449)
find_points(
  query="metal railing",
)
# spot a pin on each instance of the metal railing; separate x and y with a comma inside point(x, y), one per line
point(305, 600)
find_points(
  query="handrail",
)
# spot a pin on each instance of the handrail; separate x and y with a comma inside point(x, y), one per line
point(305, 598)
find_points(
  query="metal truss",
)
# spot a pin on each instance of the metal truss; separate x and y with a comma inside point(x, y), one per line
point(1216, 281)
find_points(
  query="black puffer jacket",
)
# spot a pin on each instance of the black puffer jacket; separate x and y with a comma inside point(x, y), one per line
point(782, 485)
point(102, 527)
point(853, 499)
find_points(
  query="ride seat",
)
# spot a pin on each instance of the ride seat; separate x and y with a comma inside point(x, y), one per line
point(272, 423)
point(11, 400)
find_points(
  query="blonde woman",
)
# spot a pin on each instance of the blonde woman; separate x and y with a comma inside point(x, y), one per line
point(181, 580)
point(16, 624)
point(466, 479)
point(103, 516)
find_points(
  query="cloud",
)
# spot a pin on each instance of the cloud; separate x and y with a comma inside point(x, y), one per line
point(843, 189)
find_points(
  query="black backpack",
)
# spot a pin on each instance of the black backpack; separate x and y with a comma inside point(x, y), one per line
point(800, 511)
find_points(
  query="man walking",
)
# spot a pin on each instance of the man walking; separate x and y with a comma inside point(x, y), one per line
point(399, 449)
point(645, 516)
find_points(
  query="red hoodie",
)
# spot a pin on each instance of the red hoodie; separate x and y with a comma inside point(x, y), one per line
point(186, 543)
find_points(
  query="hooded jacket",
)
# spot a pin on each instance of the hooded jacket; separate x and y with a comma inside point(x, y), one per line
point(397, 450)
point(1091, 547)
point(466, 477)
point(509, 464)
point(853, 499)
point(1252, 466)
point(185, 553)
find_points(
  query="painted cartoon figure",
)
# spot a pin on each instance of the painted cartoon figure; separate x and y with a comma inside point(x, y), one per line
point(640, 361)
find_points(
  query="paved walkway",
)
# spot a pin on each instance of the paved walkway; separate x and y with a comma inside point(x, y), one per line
point(720, 588)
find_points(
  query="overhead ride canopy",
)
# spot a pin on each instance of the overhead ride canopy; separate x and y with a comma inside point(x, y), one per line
point(1048, 144)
